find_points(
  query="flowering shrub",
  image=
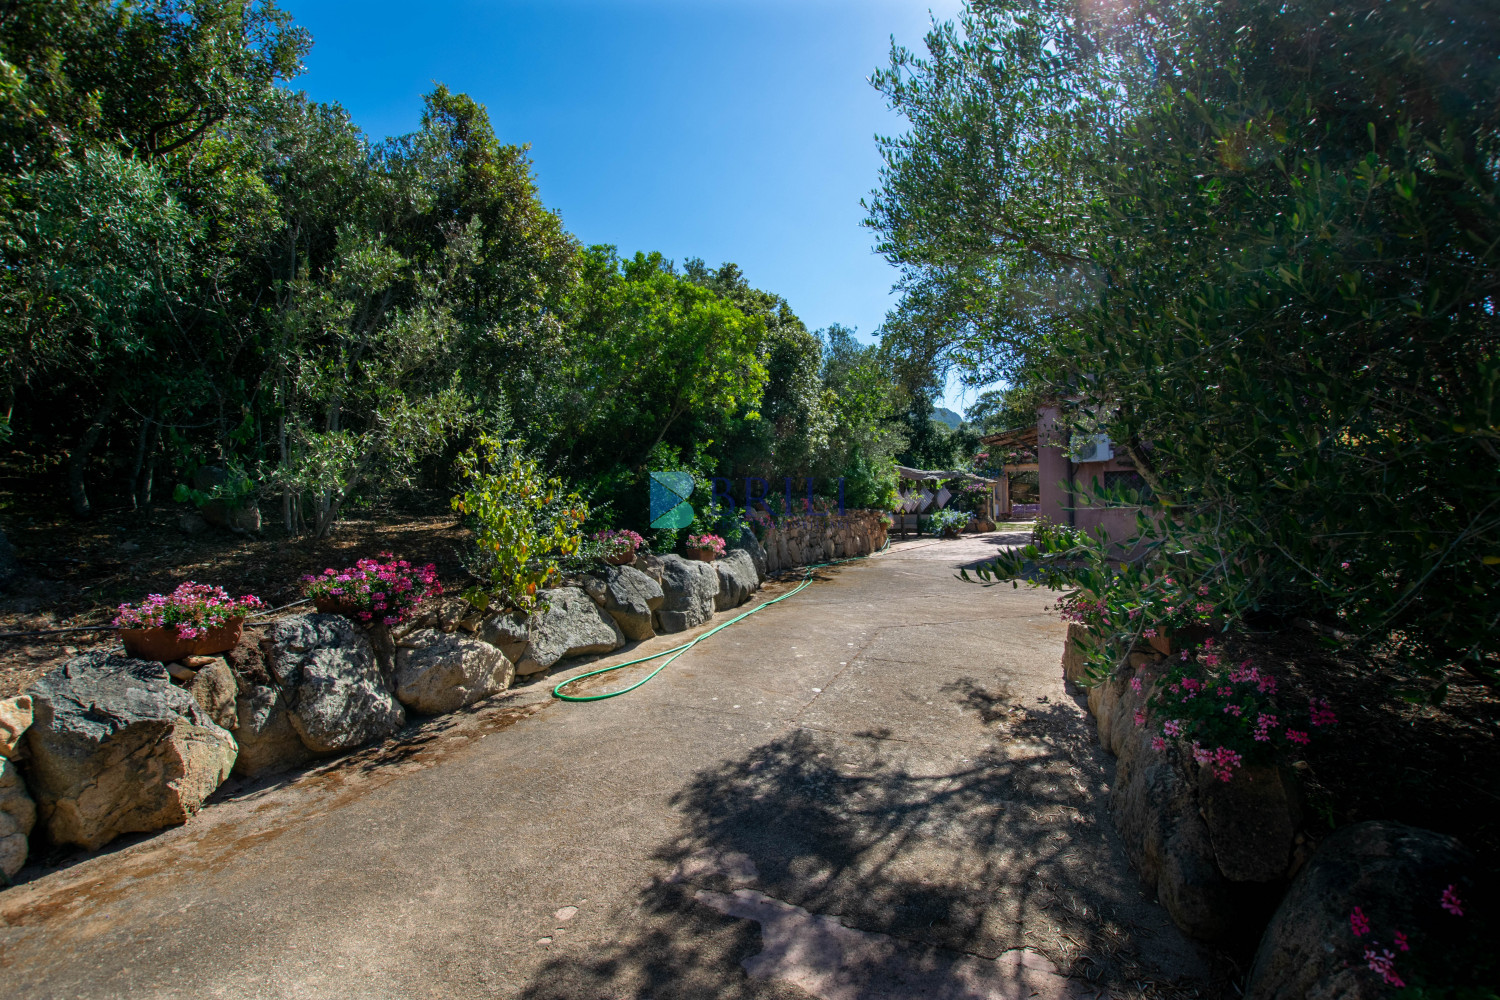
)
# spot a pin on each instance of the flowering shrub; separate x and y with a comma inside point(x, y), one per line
point(971, 497)
point(617, 542)
point(1227, 714)
point(1168, 605)
point(375, 591)
point(1077, 609)
point(1381, 959)
point(193, 608)
point(706, 541)
point(524, 523)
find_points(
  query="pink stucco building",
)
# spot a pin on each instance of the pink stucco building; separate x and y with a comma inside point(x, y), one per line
point(1056, 471)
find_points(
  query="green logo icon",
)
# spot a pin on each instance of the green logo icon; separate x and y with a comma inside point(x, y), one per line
point(669, 500)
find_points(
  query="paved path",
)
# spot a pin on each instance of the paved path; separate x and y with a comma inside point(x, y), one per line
point(877, 788)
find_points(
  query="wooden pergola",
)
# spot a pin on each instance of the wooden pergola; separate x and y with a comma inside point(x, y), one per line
point(1024, 437)
point(909, 508)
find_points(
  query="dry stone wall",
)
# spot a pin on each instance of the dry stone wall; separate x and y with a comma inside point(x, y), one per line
point(807, 540)
point(114, 745)
point(1234, 864)
point(1218, 854)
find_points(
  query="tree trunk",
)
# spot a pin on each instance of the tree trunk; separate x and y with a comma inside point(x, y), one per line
point(144, 442)
point(148, 477)
point(78, 458)
point(328, 513)
point(286, 491)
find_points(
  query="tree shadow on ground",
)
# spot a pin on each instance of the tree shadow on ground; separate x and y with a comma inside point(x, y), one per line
point(977, 855)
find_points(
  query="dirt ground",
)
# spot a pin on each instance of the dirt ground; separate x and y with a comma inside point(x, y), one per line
point(77, 572)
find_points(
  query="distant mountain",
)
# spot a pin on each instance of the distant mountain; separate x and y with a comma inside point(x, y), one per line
point(944, 415)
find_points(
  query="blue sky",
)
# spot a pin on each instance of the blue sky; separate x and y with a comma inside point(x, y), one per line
point(735, 130)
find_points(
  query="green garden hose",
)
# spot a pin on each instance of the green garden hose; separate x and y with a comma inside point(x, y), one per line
point(676, 651)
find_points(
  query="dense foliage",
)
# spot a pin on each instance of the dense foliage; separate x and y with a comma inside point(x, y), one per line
point(1257, 244)
point(203, 269)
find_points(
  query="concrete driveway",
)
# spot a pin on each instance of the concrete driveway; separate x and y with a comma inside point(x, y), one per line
point(877, 788)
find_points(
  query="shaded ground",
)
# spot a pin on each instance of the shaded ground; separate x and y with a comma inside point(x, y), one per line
point(885, 766)
point(78, 572)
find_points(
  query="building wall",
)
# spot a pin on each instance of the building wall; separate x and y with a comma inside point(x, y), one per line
point(1052, 467)
point(1056, 471)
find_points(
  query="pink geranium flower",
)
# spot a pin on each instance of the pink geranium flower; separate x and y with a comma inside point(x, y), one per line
point(1359, 923)
point(378, 591)
point(193, 608)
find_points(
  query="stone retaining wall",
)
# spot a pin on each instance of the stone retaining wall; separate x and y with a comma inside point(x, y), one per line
point(1234, 864)
point(1219, 855)
point(805, 540)
point(117, 745)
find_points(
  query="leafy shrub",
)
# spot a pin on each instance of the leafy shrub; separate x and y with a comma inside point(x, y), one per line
point(1055, 539)
point(971, 497)
point(374, 591)
point(524, 523)
point(948, 519)
point(193, 608)
point(232, 486)
point(869, 484)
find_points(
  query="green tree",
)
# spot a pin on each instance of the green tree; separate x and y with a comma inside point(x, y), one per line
point(1276, 228)
point(98, 256)
point(654, 353)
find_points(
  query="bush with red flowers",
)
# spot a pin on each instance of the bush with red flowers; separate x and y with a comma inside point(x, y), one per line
point(1227, 714)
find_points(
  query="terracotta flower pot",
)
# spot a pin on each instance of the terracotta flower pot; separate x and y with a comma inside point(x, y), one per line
point(622, 559)
point(164, 644)
point(336, 606)
point(702, 555)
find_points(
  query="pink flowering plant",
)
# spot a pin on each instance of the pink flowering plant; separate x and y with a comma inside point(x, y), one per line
point(617, 542)
point(1466, 969)
point(193, 609)
point(1227, 714)
point(1163, 588)
point(707, 541)
point(377, 591)
point(1082, 609)
point(1169, 604)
